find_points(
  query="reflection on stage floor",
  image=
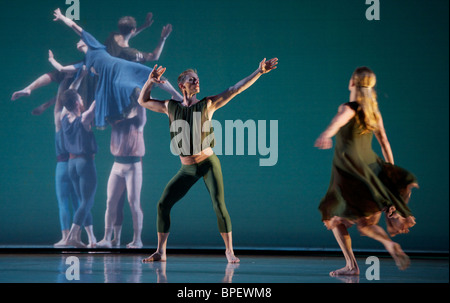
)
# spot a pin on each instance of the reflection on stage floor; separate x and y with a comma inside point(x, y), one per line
point(98, 267)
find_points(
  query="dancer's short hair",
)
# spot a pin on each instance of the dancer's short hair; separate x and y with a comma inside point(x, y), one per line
point(126, 25)
point(182, 76)
point(69, 99)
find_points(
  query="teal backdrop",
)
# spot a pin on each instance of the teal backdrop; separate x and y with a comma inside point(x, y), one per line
point(318, 43)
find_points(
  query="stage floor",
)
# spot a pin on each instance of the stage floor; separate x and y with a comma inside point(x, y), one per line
point(104, 267)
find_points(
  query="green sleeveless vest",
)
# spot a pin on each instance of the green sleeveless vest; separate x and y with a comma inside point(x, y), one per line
point(190, 129)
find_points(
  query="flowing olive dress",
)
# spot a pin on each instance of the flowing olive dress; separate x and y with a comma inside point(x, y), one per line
point(363, 185)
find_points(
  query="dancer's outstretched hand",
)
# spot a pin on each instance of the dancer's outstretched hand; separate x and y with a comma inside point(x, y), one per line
point(58, 15)
point(155, 75)
point(166, 31)
point(148, 19)
point(267, 66)
point(323, 142)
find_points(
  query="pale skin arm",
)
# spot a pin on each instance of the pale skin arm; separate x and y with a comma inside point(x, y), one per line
point(88, 116)
point(223, 98)
point(58, 109)
point(145, 100)
point(384, 142)
point(58, 66)
point(70, 23)
point(76, 84)
point(153, 56)
point(141, 116)
point(344, 115)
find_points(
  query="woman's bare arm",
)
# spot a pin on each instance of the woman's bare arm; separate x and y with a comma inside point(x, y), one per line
point(70, 23)
point(345, 113)
point(384, 142)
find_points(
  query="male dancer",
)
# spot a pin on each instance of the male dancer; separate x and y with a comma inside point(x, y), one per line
point(197, 158)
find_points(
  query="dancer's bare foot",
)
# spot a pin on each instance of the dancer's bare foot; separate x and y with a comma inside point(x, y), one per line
point(21, 93)
point(231, 257)
point(156, 257)
point(135, 244)
point(345, 271)
point(115, 243)
point(60, 243)
point(401, 259)
point(41, 108)
point(75, 243)
point(104, 244)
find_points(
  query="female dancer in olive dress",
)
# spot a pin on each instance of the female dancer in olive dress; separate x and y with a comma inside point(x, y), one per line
point(363, 185)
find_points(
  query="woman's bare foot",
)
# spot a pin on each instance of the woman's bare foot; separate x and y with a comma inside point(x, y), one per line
point(401, 259)
point(21, 93)
point(156, 257)
point(231, 257)
point(345, 271)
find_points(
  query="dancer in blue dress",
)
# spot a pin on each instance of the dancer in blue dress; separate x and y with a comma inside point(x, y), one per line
point(118, 79)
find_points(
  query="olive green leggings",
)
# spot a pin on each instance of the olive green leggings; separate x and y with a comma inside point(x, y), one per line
point(180, 184)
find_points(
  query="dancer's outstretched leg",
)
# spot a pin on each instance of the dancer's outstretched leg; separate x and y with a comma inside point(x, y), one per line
point(376, 232)
point(43, 80)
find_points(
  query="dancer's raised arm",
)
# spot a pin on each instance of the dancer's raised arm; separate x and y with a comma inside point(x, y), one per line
point(222, 99)
point(58, 66)
point(148, 22)
point(70, 23)
point(154, 56)
point(145, 99)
